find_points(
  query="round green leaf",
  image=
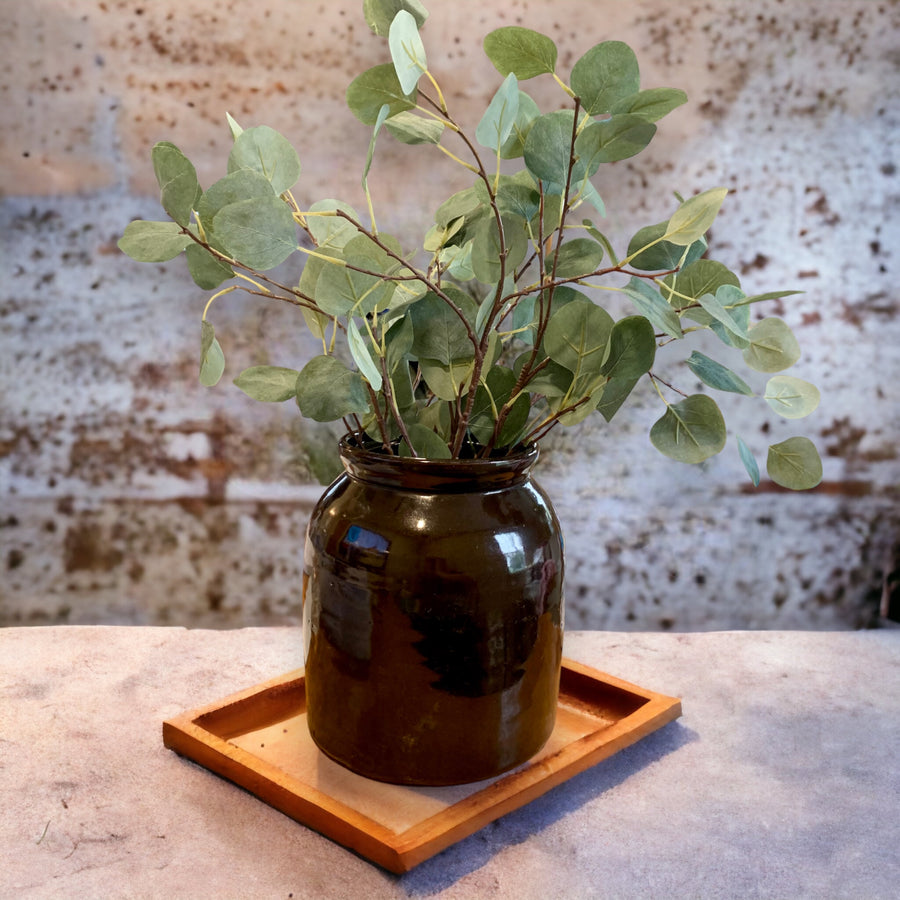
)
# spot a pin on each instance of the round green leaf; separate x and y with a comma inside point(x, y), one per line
point(661, 255)
point(327, 390)
point(520, 51)
point(619, 137)
point(574, 258)
point(486, 259)
point(577, 337)
point(438, 332)
point(795, 464)
point(260, 233)
point(244, 184)
point(374, 88)
point(690, 431)
point(791, 397)
point(262, 149)
point(426, 443)
point(270, 384)
point(606, 74)
point(773, 346)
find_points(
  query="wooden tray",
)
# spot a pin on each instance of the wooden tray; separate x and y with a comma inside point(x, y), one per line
point(259, 740)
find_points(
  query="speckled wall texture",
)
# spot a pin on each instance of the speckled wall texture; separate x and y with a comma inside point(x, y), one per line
point(128, 493)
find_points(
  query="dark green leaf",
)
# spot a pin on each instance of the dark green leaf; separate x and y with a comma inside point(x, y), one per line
point(795, 464)
point(426, 443)
point(520, 51)
point(661, 255)
point(486, 252)
point(548, 147)
point(574, 258)
point(260, 233)
point(446, 380)
point(717, 376)
point(270, 384)
point(380, 13)
point(327, 390)
point(651, 105)
point(373, 89)
point(690, 431)
point(615, 393)
point(620, 137)
point(263, 150)
point(153, 241)
point(212, 359)
point(438, 332)
point(632, 349)
point(207, 270)
point(177, 178)
point(605, 75)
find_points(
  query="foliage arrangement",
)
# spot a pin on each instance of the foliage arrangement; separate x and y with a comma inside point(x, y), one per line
point(483, 338)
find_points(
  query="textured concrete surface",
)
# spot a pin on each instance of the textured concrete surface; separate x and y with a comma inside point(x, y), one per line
point(780, 780)
point(129, 494)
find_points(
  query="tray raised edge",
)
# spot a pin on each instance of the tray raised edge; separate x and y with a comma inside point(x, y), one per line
point(401, 852)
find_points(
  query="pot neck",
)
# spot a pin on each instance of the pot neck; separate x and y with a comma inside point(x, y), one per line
point(436, 475)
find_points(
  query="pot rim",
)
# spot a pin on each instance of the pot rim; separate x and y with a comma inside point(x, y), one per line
point(436, 474)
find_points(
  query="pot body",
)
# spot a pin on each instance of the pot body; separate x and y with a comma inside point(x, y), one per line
point(433, 617)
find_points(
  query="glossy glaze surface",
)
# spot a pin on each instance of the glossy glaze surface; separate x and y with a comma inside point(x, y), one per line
point(432, 617)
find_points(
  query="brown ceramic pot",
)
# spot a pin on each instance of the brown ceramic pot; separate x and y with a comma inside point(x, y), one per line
point(433, 617)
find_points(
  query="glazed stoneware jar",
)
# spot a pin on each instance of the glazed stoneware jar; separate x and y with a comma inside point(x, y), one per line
point(433, 617)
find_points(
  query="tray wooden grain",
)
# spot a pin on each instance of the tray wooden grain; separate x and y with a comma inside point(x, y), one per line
point(259, 740)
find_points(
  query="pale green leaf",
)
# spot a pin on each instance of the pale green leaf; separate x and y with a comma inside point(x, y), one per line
point(694, 217)
point(773, 346)
point(382, 116)
point(795, 464)
point(577, 337)
point(331, 232)
point(496, 124)
point(791, 398)
point(690, 431)
point(409, 128)
point(244, 184)
point(576, 257)
point(153, 241)
point(270, 384)
point(233, 126)
point(407, 50)
point(528, 111)
point(520, 51)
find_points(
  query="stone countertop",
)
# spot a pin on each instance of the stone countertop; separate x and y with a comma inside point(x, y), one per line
point(780, 780)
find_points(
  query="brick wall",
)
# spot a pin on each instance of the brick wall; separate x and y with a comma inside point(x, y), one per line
point(128, 493)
